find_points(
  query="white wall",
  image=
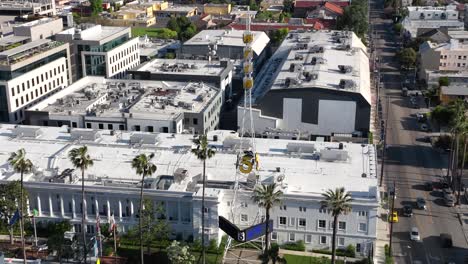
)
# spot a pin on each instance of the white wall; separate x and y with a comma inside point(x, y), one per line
point(47, 78)
point(123, 58)
point(336, 116)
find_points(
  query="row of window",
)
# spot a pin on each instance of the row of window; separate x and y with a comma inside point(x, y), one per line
point(122, 127)
point(444, 64)
point(460, 57)
point(39, 92)
point(321, 224)
point(32, 82)
point(321, 210)
point(125, 64)
point(124, 53)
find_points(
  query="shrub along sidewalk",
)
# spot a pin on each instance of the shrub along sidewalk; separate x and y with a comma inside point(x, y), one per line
point(286, 252)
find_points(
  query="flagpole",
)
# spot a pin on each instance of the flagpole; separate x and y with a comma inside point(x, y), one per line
point(115, 242)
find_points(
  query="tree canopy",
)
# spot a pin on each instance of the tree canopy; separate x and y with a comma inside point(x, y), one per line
point(183, 26)
point(354, 18)
point(96, 6)
point(179, 254)
point(407, 57)
point(277, 36)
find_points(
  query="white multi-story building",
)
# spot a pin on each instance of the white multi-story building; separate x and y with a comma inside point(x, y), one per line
point(451, 56)
point(316, 84)
point(102, 51)
point(426, 17)
point(33, 7)
point(303, 171)
point(29, 73)
point(152, 106)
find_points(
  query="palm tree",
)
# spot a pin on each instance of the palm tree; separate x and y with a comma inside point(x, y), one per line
point(267, 196)
point(203, 152)
point(338, 202)
point(81, 160)
point(144, 167)
point(458, 127)
point(22, 165)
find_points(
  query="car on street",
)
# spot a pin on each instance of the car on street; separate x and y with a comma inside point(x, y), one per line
point(429, 186)
point(421, 117)
point(421, 203)
point(414, 234)
point(408, 210)
point(449, 199)
point(424, 128)
point(41, 247)
point(393, 217)
point(443, 184)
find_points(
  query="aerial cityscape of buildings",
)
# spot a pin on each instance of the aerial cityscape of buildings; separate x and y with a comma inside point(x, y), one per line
point(202, 130)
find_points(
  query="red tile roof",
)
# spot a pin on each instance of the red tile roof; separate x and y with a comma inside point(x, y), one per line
point(314, 3)
point(334, 8)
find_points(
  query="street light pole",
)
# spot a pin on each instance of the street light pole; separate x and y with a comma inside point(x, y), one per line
point(392, 220)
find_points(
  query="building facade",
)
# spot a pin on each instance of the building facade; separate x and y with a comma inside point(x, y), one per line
point(448, 56)
point(118, 105)
point(112, 186)
point(428, 17)
point(218, 73)
point(30, 73)
point(311, 76)
point(102, 51)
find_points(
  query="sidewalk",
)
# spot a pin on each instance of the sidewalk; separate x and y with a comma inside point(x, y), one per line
point(282, 252)
point(382, 235)
point(462, 212)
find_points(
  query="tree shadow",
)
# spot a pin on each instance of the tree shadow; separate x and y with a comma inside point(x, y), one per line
point(415, 155)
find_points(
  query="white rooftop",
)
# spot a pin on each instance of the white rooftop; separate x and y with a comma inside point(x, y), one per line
point(95, 32)
point(181, 67)
point(229, 38)
point(308, 168)
point(319, 55)
point(97, 96)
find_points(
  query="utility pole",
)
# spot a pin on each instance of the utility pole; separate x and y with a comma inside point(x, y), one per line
point(391, 217)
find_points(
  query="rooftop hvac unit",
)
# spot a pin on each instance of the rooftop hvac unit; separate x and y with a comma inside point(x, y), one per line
point(333, 154)
point(84, 134)
point(347, 84)
point(180, 174)
point(27, 131)
point(345, 68)
point(144, 138)
point(299, 57)
point(292, 67)
point(316, 49)
point(301, 147)
point(232, 143)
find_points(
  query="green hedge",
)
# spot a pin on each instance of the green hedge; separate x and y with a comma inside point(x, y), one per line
point(297, 246)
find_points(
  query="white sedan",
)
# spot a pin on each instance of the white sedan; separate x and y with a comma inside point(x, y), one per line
point(414, 234)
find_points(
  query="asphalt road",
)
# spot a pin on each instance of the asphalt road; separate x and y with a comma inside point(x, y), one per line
point(410, 163)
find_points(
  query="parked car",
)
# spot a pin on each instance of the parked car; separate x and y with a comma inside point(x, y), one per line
point(393, 218)
point(421, 203)
point(429, 186)
point(408, 210)
point(446, 240)
point(443, 184)
point(449, 199)
point(424, 128)
point(421, 117)
point(414, 234)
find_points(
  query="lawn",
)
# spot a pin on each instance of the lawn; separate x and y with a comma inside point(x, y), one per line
point(294, 259)
point(154, 32)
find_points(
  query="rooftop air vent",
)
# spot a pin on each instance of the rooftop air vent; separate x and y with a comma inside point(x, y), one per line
point(316, 49)
point(345, 68)
point(347, 84)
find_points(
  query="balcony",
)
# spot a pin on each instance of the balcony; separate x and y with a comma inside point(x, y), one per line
point(26, 51)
